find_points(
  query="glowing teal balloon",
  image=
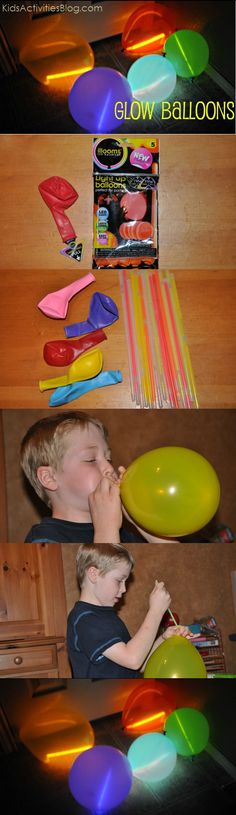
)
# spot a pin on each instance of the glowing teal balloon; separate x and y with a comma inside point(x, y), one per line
point(152, 757)
point(188, 729)
point(188, 52)
point(152, 78)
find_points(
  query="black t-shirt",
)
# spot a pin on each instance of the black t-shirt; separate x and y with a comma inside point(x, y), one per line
point(90, 631)
point(55, 530)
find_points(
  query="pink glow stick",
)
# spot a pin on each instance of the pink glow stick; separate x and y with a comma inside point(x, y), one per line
point(130, 338)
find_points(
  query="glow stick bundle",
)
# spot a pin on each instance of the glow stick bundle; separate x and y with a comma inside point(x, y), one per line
point(161, 374)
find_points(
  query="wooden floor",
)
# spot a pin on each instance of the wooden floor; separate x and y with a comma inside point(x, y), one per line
point(208, 302)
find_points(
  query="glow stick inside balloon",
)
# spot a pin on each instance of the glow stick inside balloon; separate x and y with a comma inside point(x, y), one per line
point(93, 97)
point(152, 78)
point(188, 729)
point(188, 52)
point(152, 757)
point(100, 779)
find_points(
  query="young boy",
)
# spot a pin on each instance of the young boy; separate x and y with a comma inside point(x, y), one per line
point(67, 460)
point(99, 644)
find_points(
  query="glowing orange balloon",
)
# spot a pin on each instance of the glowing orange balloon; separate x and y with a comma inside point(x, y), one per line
point(148, 707)
point(147, 30)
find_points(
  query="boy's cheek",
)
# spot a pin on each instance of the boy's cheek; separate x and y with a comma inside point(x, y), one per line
point(91, 482)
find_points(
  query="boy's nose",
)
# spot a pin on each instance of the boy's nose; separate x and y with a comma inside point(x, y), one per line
point(108, 469)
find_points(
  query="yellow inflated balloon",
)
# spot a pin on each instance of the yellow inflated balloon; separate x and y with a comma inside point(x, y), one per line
point(171, 491)
point(176, 658)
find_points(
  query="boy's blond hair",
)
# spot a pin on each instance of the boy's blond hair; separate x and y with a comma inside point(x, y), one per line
point(104, 556)
point(44, 444)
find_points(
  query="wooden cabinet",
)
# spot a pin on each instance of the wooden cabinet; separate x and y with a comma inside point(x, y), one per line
point(32, 611)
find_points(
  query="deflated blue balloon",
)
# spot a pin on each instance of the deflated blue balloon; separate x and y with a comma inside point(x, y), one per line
point(61, 396)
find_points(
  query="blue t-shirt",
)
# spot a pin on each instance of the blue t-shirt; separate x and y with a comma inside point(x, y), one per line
point(90, 631)
point(55, 530)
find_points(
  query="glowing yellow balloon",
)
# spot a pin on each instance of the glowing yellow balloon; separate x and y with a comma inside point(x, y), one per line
point(176, 658)
point(55, 734)
point(57, 58)
point(171, 491)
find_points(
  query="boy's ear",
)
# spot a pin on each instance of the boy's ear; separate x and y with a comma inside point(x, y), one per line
point(47, 477)
point(92, 573)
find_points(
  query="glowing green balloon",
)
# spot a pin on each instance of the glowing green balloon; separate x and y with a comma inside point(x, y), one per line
point(176, 658)
point(171, 491)
point(189, 731)
point(188, 51)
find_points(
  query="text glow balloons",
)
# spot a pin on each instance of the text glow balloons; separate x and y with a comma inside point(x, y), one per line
point(100, 779)
point(189, 731)
point(152, 757)
point(188, 51)
point(147, 29)
point(176, 658)
point(93, 97)
point(152, 78)
point(147, 708)
point(57, 58)
point(171, 491)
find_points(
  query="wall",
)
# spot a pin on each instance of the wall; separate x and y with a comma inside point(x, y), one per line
point(131, 433)
point(197, 577)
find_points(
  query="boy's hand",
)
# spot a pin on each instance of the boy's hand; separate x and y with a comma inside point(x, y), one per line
point(105, 509)
point(159, 599)
point(179, 631)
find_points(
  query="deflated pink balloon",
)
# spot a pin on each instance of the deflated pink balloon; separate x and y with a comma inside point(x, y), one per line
point(56, 303)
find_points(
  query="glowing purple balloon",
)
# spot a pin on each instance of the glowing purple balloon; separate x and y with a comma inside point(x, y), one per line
point(100, 778)
point(93, 97)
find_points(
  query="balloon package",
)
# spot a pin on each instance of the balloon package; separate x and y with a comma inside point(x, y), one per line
point(125, 216)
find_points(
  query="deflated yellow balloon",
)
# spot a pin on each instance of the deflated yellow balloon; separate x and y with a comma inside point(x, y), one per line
point(86, 366)
point(176, 658)
point(171, 491)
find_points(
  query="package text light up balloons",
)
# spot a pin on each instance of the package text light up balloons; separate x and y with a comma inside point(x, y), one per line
point(152, 757)
point(176, 658)
point(171, 491)
point(102, 780)
point(93, 97)
point(147, 29)
point(152, 78)
point(189, 731)
point(188, 51)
